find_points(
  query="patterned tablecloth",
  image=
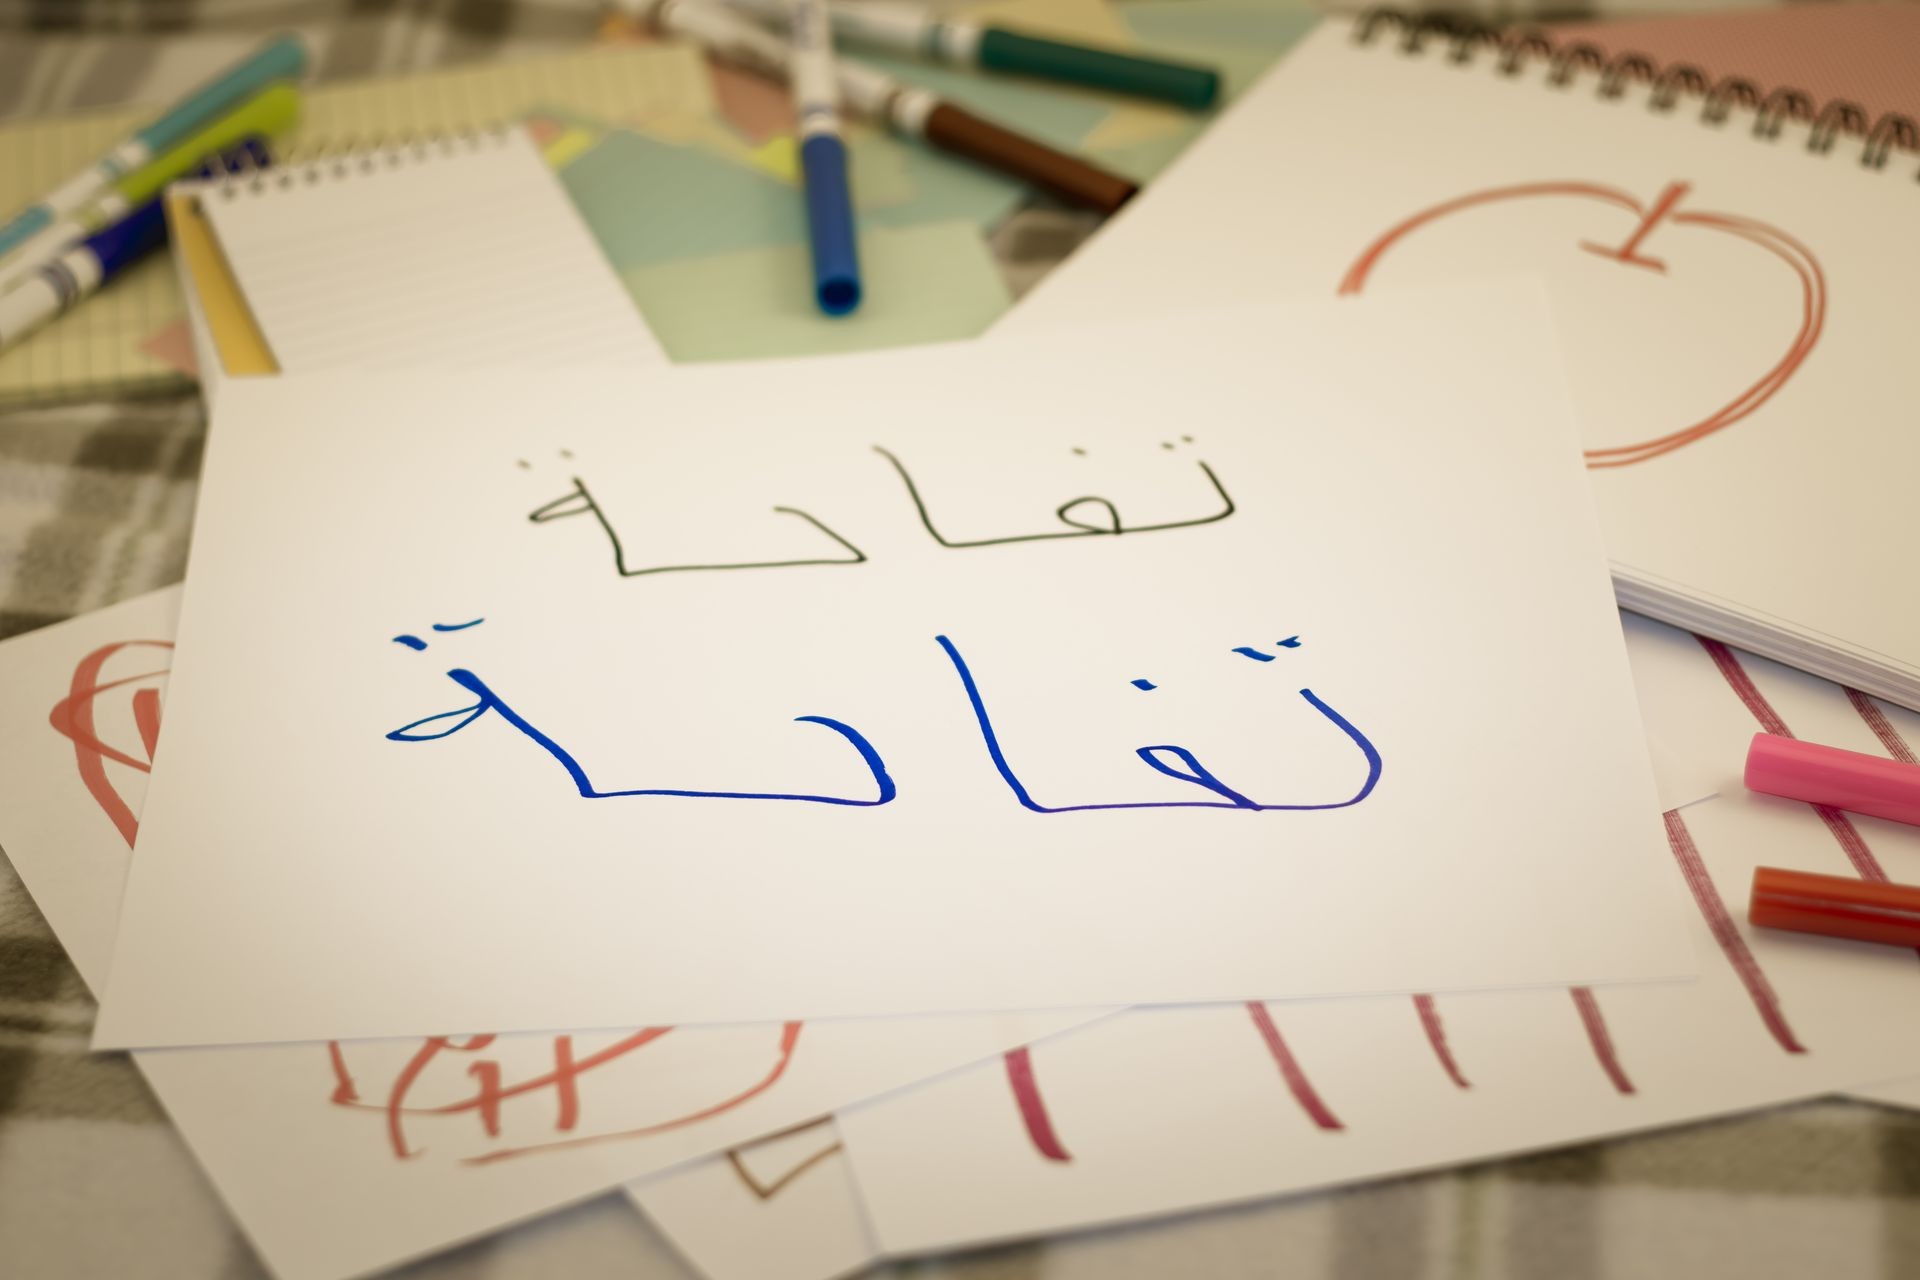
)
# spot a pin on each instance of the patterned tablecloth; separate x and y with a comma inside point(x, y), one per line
point(95, 504)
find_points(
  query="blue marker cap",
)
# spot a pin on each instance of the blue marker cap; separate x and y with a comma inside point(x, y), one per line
point(836, 263)
point(145, 228)
point(140, 231)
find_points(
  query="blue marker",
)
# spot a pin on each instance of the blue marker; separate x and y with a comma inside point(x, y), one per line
point(823, 160)
point(79, 271)
point(283, 58)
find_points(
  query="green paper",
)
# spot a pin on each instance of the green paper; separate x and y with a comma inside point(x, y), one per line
point(1239, 38)
point(934, 283)
point(649, 202)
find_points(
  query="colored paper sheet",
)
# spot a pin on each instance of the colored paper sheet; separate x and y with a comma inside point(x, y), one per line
point(649, 202)
point(935, 283)
point(1238, 38)
point(566, 634)
point(341, 1159)
point(1156, 1111)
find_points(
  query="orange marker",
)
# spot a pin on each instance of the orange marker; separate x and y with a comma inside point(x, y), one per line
point(1835, 906)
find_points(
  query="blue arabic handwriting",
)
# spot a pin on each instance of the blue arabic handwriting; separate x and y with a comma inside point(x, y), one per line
point(1172, 761)
point(447, 723)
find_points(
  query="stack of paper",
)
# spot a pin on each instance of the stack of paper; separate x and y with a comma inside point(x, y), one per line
point(885, 802)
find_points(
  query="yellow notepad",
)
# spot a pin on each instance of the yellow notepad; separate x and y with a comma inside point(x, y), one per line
point(95, 350)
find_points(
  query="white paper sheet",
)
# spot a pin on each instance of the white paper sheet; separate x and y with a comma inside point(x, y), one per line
point(624, 763)
point(782, 1208)
point(1155, 1111)
point(338, 1159)
point(459, 252)
point(1735, 312)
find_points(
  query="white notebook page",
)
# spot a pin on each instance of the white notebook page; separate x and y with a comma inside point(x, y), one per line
point(456, 252)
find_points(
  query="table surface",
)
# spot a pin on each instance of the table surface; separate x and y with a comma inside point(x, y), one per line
point(95, 504)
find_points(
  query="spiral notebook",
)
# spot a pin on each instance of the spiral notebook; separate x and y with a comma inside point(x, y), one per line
point(1732, 266)
point(455, 251)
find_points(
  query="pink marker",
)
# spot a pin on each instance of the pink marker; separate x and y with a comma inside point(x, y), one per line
point(1829, 775)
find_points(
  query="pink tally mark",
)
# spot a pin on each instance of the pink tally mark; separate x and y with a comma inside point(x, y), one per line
point(1297, 1083)
point(1436, 1032)
point(1600, 1038)
point(1033, 1108)
point(1727, 935)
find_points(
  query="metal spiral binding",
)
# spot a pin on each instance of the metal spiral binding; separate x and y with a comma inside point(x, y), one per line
point(351, 156)
point(1667, 86)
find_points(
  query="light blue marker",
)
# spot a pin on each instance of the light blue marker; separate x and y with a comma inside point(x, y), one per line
point(823, 160)
point(283, 58)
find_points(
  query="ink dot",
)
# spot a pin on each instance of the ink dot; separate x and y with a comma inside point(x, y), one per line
point(524, 465)
point(1078, 452)
point(1291, 642)
point(1143, 684)
point(567, 454)
point(1167, 445)
point(1248, 651)
point(1188, 439)
point(412, 642)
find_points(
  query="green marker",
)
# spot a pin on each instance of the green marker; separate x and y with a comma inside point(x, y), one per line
point(910, 29)
point(267, 114)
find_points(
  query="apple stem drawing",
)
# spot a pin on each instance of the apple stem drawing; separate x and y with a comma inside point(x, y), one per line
point(1664, 212)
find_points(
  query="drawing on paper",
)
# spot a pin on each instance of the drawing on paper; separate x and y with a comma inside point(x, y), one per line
point(829, 1147)
point(1635, 252)
point(75, 718)
point(444, 724)
point(1083, 517)
point(480, 1088)
point(1169, 760)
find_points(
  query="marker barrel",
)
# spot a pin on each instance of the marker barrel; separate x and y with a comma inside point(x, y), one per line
point(1835, 907)
point(836, 262)
point(1075, 181)
point(1849, 780)
point(1182, 84)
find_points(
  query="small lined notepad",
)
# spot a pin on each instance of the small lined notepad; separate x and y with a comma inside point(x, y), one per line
point(452, 252)
point(100, 349)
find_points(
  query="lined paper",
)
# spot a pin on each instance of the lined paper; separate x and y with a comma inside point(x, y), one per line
point(451, 253)
point(95, 349)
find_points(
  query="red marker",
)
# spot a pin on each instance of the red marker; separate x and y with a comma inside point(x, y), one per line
point(1831, 776)
point(1835, 906)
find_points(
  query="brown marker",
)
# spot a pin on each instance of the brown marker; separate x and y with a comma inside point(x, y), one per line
point(957, 130)
point(912, 112)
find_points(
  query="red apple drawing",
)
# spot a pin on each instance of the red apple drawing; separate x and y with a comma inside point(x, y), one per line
point(1634, 253)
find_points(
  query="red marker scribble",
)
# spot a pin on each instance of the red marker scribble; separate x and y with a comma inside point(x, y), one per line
point(1436, 1032)
point(1727, 935)
point(491, 1090)
point(1600, 1038)
point(1844, 833)
point(1869, 711)
point(73, 718)
point(1033, 1108)
point(1800, 259)
point(1297, 1083)
point(789, 1039)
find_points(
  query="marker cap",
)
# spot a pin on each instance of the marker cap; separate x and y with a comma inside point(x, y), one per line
point(1835, 906)
point(836, 262)
point(1177, 82)
point(1833, 776)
